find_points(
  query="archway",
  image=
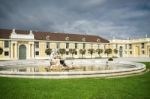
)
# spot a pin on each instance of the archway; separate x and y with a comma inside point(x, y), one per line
point(22, 52)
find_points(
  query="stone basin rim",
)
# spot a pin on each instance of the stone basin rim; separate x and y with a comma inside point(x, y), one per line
point(139, 67)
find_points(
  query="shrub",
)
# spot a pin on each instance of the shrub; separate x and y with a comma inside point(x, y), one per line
point(48, 51)
point(108, 51)
point(82, 51)
point(110, 59)
point(62, 51)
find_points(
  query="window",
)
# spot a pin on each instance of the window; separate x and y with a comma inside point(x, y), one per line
point(126, 46)
point(76, 53)
point(130, 52)
point(120, 48)
point(142, 45)
point(104, 46)
point(83, 45)
point(6, 53)
point(58, 44)
point(91, 45)
point(130, 46)
point(47, 45)
point(37, 53)
point(76, 45)
point(98, 46)
point(6, 44)
point(36, 44)
point(67, 45)
point(143, 52)
point(116, 46)
point(67, 53)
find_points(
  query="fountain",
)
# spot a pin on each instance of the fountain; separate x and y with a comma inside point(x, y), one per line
point(56, 67)
point(57, 63)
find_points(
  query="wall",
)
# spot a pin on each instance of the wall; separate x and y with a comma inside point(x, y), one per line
point(14, 48)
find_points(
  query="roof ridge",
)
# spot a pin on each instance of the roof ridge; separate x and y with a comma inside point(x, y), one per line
point(52, 32)
point(55, 36)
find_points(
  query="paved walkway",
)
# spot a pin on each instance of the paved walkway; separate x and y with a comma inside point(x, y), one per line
point(140, 59)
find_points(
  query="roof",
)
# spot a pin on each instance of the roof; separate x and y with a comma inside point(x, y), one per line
point(5, 34)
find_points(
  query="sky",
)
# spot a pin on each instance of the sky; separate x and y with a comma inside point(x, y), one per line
point(120, 19)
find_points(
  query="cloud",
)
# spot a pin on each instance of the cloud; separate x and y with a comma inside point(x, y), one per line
point(107, 18)
point(104, 29)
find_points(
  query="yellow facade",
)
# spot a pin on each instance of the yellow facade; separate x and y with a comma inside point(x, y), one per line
point(133, 48)
point(126, 48)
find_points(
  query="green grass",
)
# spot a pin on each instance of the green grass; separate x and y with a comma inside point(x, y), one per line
point(134, 87)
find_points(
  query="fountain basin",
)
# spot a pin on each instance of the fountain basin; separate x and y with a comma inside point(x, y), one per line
point(116, 68)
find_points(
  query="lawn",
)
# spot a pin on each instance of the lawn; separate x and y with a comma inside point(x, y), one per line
point(134, 87)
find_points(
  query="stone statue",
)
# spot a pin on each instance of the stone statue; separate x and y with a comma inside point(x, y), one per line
point(56, 64)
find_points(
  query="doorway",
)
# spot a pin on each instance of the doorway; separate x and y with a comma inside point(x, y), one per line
point(22, 52)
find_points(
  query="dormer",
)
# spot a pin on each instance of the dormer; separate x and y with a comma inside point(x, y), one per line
point(83, 39)
point(47, 37)
point(67, 38)
point(98, 40)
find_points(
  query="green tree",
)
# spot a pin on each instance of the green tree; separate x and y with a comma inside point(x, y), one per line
point(108, 51)
point(99, 51)
point(91, 51)
point(62, 51)
point(48, 51)
point(1, 50)
point(82, 51)
point(115, 51)
point(72, 51)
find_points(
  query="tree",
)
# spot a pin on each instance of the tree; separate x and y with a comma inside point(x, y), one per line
point(108, 51)
point(1, 50)
point(48, 51)
point(115, 51)
point(91, 51)
point(99, 51)
point(72, 51)
point(62, 51)
point(82, 51)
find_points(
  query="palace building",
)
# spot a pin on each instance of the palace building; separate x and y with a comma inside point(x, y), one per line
point(20, 44)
